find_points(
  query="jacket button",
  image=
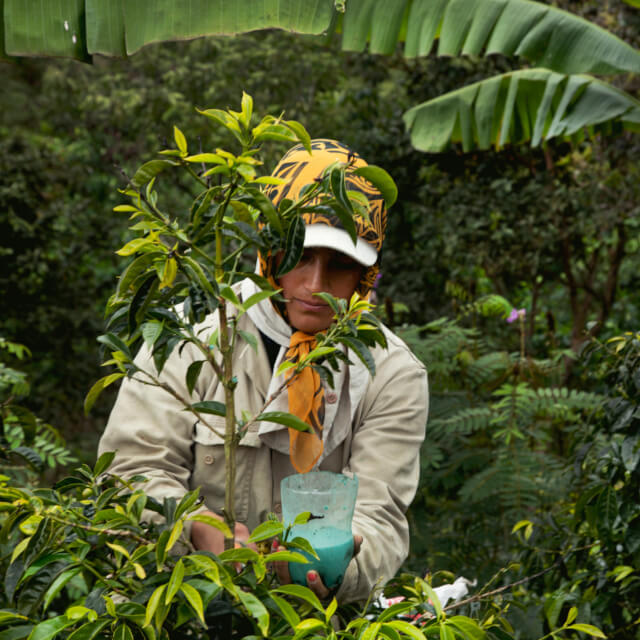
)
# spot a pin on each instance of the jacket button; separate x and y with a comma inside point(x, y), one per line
point(208, 459)
point(331, 397)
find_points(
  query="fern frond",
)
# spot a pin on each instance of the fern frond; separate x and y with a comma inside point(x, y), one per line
point(489, 368)
point(517, 480)
point(437, 344)
point(464, 422)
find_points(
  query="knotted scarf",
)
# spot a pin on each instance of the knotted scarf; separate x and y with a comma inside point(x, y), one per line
point(306, 401)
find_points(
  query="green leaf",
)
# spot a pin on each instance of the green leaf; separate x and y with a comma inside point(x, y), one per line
point(607, 508)
point(301, 133)
point(175, 582)
point(50, 628)
point(230, 295)
point(161, 549)
point(181, 141)
point(246, 106)
point(588, 629)
point(10, 616)
point(214, 522)
point(122, 632)
point(445, 632)
point(249, 338)
point(543, 35)
point(199, 276)
point(395, 610)
point(148, 171)
point(381, 180)
point(302, 518)
point(103, 463)
point(502, 110)
point(572, 615)
point(206, 158)
point(303, 544)
point(259, 296)
point(287, 419)
point(141, 301)
point(193, 373)
point(134, 246)
point(294, 246)
point(286, 556)
point(153, 603)
point(276, 132)
point(97, 389)
point(241, 554)
point(58, 584)
point(265, 530)
point(89, 630)
point(330, 300)
point(210, 406)
point(433, 597)
point(304, 593)
point(53, 29)
point(256, 610)
point(176, 532)
point(194, 599)
point(137, 267)
point(257, 199)
point(115, 344)
point(343, 207)
point(288, 612)
point(362, 351)
point(468, 627)
point(151, 331)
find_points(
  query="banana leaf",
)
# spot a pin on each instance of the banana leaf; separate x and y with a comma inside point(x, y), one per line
point(530, 105)
point(544, 35)
point(79, 28)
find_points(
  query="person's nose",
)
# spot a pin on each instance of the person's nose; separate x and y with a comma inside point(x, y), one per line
point(318, 279)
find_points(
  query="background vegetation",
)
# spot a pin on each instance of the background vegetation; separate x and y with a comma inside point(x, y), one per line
point(552, 230)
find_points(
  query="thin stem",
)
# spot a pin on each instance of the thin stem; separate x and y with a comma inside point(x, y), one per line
point(202, 181)
point(230, 436)
point(112, 532)
point(156, 383)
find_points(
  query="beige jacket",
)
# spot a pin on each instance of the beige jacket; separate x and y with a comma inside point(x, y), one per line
point(378, 439)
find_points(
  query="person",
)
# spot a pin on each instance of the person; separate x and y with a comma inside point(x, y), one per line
point(369, 426)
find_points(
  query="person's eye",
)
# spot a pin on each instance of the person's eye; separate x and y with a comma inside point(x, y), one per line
point(344, 263)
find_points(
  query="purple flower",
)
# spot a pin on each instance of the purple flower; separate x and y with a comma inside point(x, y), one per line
point(377, 280)
point(515, 314)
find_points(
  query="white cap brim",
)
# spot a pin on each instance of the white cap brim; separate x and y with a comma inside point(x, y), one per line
point(322, 235)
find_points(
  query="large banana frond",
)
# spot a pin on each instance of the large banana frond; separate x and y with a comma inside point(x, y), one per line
point(78, 28)
point(521, 106)
point(526, 105)
point(544, 35)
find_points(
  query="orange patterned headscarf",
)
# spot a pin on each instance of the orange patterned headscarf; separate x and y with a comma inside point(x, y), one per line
point(298, 168)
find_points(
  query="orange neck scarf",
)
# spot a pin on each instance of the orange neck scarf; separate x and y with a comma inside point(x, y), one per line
point(306, 401)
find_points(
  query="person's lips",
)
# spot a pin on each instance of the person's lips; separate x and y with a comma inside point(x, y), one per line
point(314, 306)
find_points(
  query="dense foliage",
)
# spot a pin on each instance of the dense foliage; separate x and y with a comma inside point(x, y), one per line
point(554, 231)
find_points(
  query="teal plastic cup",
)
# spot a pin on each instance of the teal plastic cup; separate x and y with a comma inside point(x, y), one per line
point(331, 500)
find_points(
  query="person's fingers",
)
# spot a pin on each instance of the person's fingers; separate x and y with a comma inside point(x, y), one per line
point(314, 582)
point(242, 533)
point(357, 543)
point(282, 569)
point(206, 537)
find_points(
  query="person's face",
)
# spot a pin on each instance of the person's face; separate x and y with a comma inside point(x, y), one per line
point(319, 270)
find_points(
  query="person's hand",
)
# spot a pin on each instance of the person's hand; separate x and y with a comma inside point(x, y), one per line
point(314, 581)
point(207, 538)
